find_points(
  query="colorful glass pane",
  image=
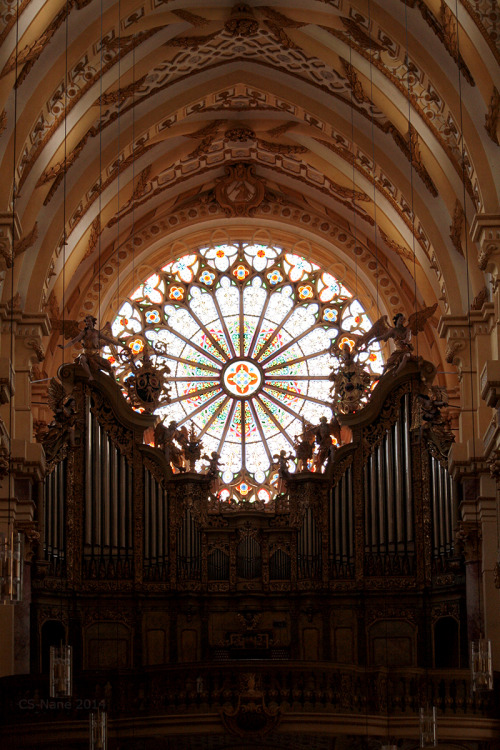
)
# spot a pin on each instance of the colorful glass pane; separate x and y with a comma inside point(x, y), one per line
point(249, 350)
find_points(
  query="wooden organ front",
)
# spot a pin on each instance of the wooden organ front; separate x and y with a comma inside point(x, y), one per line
point(318, 574)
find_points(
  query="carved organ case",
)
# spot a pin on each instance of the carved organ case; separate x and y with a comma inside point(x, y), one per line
point(355, 565)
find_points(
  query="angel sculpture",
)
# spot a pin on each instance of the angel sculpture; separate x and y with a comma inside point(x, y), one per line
point(429, 420)
point(92, 341)
point(282, 460)
point(324, 432)
point(303, 445)
point(172, 441)
point(213, 469)
point(61, 430)
point(401, 335)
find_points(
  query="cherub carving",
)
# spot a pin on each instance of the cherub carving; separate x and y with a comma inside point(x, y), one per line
point(61, 430)
point(92, 341)
point(400, 333)
point(429, 420)
point(213, 469)
point(172, 441)
point(303, 445)
point(323, 433)
point(281, 462)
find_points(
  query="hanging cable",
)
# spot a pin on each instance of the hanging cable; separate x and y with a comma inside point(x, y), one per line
point(373, 157)
point(410, 142)
point(353, 172)
point(481, 662)
point(10, 546)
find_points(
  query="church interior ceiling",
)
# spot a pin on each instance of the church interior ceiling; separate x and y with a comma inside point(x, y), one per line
point(370, 132)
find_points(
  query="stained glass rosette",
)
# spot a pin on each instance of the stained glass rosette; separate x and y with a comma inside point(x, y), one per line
point(248, 332)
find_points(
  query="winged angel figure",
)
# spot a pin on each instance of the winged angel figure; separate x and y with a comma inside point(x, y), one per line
point(400, 332)
point(61, 430)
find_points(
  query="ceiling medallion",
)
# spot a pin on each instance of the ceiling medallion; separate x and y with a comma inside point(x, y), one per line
point(240, 192)
point(241, 22)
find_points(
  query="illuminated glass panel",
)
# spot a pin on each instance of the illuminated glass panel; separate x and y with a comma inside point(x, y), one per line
point(249, 334)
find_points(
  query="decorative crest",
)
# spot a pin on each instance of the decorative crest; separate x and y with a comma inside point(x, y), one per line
point(351, 383)
point(240, 192)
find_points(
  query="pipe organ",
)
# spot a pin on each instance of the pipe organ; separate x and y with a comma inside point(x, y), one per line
point(379, 519)
point(388, 499)
point(107, 512)
point(54, 517)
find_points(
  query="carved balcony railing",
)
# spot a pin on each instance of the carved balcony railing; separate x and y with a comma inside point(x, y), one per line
point(298, 687)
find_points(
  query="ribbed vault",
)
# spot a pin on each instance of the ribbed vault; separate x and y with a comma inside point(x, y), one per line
point(372, 127)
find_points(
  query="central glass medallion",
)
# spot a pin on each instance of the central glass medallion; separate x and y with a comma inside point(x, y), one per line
point(242, 378)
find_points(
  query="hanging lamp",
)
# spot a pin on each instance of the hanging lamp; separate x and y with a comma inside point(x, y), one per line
point(61, 671)
point(98, 730)
point(428, 726)
point(11, 567)
point(481, 665)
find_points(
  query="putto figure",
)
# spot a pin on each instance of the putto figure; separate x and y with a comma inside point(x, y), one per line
point(61, 430)
point(303, 445)
point(401, 335)
point(281, 461)
point(173, 442)
point(323, 433)
point(214, 466)
point(92, 340)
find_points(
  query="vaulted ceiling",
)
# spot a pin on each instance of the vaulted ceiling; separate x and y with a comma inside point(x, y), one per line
point(370, 129)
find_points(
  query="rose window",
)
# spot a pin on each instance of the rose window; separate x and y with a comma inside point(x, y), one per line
point(249, 333)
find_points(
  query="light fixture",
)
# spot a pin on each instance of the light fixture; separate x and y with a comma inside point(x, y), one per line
point(481, 665)
point(428, 735)
point(98, 725)
point(11, 567)
point(61, 674)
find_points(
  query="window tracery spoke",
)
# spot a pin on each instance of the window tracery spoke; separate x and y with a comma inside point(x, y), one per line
point(214, 417)
point(268, 342)
point(224, 326)
point(297, 377)
point(208, 334)
point(297, 360)
point(261, 431)
point(290, 343)
point(199, 409)
point(295, 394)
point(230, 418)
point(191, 363)
point(242, 334)
point(192, 344)
point(255, 337)
point(285, 407)
point(275, 421)
point(194, 379)
point(201, 392)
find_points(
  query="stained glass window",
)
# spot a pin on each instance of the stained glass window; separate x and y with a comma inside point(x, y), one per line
point(250, 334)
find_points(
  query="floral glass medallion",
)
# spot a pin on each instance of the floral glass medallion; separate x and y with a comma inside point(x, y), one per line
point(242, 379)
point(250, 334)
